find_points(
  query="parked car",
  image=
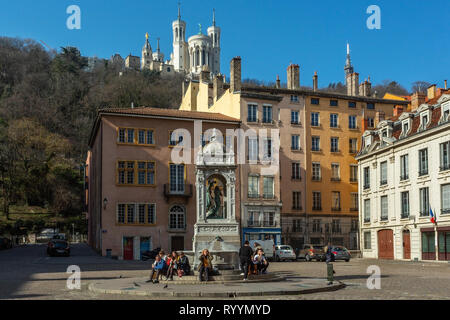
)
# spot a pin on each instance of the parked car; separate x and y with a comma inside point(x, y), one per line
point(311, 252)
point(284, 252)
point(341, 253)
point(58, 247)
point(5, 243)
point(268, 247)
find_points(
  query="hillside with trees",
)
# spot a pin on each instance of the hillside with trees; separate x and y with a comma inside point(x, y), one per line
point(48, 102)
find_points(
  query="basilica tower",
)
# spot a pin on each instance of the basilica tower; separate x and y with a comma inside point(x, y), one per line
point(214, 34)
point(146, 59)
point(180, 53)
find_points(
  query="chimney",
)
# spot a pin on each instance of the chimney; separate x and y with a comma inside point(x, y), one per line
point(315, 81)
point(431, 91)
point(364, 124)
point(205, 75)
point(235, 74)
point(278, 84)
point(416, 100)
point(217, 86)
point(398, 110)
point(293, 77)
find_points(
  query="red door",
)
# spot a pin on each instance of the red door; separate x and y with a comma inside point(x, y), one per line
point(386, 244)
point(406, 244)
point(127, 248)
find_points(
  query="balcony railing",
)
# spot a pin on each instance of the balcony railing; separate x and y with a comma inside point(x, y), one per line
point(366, 186)
point(297, 208)
point(405, 215)
point(366, 219)
point(186, 191)
point(315, 178)
point(336, 209)
point(383, 182)
point(383, 218)
point(353, 179)
point(335, 179)
point(423, 172)
point(317, 208)
point(354, 209)
point(445, 211)
point(424, 213)
point(445, 167)
point(265, 223)
point(404, 177)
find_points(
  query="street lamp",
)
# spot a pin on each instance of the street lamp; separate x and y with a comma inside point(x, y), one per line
point(105, 202)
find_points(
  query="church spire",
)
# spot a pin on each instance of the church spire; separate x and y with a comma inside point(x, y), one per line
point(348, 63)
point(179, 10)
point(214, 17)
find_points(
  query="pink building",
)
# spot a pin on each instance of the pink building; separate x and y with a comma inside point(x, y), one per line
point(138, 199)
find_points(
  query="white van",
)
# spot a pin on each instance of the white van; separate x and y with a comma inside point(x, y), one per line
point(268, 247)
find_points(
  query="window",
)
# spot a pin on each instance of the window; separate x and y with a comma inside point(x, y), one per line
point(333, 120)
point(125, 172)
point(366, 178)
point(295, 142)
point(352, 104)
point(269, 219)
point(267, 114)
point(405, 204)
point(317, 201)
point(445, 198)
point(296, 200)
point(268, 187)
point(353, 173)
point(314, 100)
point(145, 136)
point(424, 120)
point(367, 240)
point(424, 202)
point(316, 171)
point(354, 201)
point(371, 122)
point(296, 171)
point(121, 135)
point(423, 162)
point(383, 173)
point(130, 213)
point(267, 149)
point(316, 225)
point(314, 119)
point(352, 122)
point(176, 178)
point(177, 218)
point(404, 171)
point(371, 106)
point(334, 144)
point(297, 225)
point(333, 103)
point(121, 213)
point(445, 155)
point(253, 186)
point(294, 117)
point(367, 210)
point(146, 172)
point(336, 226)
point(130, 135)
point(253, 219)
point(252, 113)
point(315, 145)
point(146, 213)
point(353, 145)
point(405, 127)
point(173, 138)
point(335, 172)
point(384, 208)
point(253, 149)
point(335, 201)
point(294, 98)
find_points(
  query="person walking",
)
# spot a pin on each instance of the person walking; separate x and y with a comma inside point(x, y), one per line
point(205, 265)
point(245, 257)
point(157, 267)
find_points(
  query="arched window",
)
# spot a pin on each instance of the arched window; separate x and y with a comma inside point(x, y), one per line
point(177, 218)
point(176, 33)
point(203, 57)
point(197, 57)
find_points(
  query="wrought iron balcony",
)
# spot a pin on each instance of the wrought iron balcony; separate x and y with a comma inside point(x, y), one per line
point(444, 167)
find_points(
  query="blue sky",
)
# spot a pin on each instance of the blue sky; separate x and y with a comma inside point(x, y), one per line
point(268, 35)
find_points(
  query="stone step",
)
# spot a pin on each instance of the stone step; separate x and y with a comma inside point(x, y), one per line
point(230, 277)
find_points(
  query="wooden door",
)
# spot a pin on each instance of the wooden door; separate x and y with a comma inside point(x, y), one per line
point(128, 248)
point(177, 243)
point(145, 245)
point(386, 244)
point(406, 244)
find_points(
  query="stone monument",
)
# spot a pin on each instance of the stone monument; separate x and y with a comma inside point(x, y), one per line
point(216, 228)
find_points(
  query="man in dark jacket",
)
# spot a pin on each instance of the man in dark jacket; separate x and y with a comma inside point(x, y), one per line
point(245, 255)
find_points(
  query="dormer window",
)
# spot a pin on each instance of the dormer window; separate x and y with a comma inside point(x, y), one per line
point(405, 127)
point(384, 133)
point(424, 120)
point(445, 111)
point(368, 140)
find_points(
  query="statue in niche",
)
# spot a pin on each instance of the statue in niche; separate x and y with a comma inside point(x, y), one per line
point(215, 198)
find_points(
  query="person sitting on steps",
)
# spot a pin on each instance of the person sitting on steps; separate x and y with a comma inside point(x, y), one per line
point(157, 267)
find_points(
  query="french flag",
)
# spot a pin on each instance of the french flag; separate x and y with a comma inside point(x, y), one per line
point(432, 217)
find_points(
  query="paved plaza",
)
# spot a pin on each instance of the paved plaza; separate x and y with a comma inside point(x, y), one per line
point(27, 273)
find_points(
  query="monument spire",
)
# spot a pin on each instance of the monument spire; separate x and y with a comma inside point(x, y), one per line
point(214, 17)
point(179, 10)
point(348, 63)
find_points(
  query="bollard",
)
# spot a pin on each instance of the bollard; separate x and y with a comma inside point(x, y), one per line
point(330, 275)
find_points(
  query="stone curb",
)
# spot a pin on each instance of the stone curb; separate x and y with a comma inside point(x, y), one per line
point(230, 294)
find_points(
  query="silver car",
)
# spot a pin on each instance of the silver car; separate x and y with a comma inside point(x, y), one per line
point(284, 252)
